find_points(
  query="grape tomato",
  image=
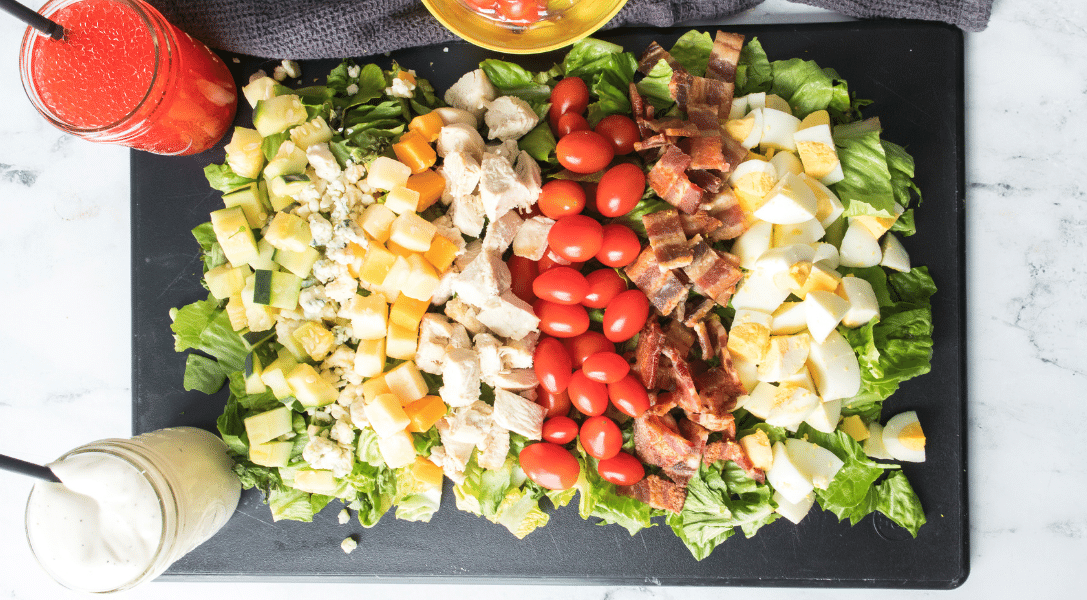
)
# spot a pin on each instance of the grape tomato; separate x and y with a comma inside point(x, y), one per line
point(629, 396)
point(584, 152)
point(621, 131)
point(523, 272)
point(625, 315)
point(576, 238)
point(569, 123)
point(550, 465)
point(604, 286)
point(560, 430)
point(605, 367)
point(569, 95)
point(588, 396)
point(620, 189)
point(561, 197)
point(556, 405)
point(563, 285)
point(621, 469)
point(601, 437)
point(586, 345)
point(552, 364)
point(619, 246)
point(561, 320)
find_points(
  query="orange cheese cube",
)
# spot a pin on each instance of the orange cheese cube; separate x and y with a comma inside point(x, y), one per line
point(407, 312)
point(424, 413)
point(414, 151)
point(427, 125)
point(358, 257)
point(441, 253)
point(430, 186)
point(426, 472)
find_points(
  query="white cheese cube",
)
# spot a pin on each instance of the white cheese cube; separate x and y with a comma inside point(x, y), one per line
point(386, 415)
point(406, 382)
point(369, 316)
point(401, 200)
point(370, 357)
point(413, 232)
point(386, 173)
point(397, 450)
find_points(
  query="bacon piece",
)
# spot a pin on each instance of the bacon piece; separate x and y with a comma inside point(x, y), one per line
point(665, 232)
point(729, 449)
point(733, 151)
point(647, 354)
point(653, 54)
point(685, 393)
point(679, 337)
point(662, 404)
point(668, 179)
point(658, 442)
point(720, 337)
point(711, 273)
point(724, 56)
point(706, 153)
point(704, 343)
point(661, 286)
point(656, 492)
point(724, 207)
point(684, 195)
point(695, 313)
point(706, 181)
point(705, 116)
point(700, 223)
point(697, 435)
point(691, 89)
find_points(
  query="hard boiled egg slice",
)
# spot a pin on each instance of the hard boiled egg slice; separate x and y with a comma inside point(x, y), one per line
point(820, 464)
point(778, 130)
point(816, 149)
point(863, 306)
point(760, 400)
point(903, 438)
point(792, 404)
point(752, 243)
point(747, 371)
point(859, 248)
point(759, 292)
point(749, 336)
point(825, 416)
point(786, 162)
point(784, 357)
point(790, 317)
point(878, 226)
point(788, 480)
point(807, 232)
point(829, 207)
point(752, 180)
point(834, 367)
point(756, 100)
point(789, 202)
point(824, 311)
point(873, 446)
point(894, 254)
point(778, 260)
point(793, 511)
point(747, 130)
point(826, 254)
point(739, 108)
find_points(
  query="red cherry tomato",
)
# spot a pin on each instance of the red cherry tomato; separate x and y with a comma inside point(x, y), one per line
point(561, 320)
point(561, 197)
point(569, 123)
point(620, 189)
point(586, 345)
point(523, 12)
point(588, 396)
point(559, 430)
point(548, 262)
point(619, 246)
point(601, 437)
point(552, 364)
point(550, 465)
point(604, 286)
point(577, 238)
point(629, 396)
point(560, 284)
point(605, 367)
point(584, 152)
point(621, 469)
point(557, 405)
point(625, 315)
point(621, 131)
point(570, 95)
point(522, 273)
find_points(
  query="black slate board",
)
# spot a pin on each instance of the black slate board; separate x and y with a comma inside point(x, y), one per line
point(914, 73)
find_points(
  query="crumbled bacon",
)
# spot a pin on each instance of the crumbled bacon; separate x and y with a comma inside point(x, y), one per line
point(656, 492)
point(665, 232)
point(706, 153)
point(715, 276)
point(700, 223)
point(724, 56)
point(669, 180)
point(647, 354)
point(729, 449)
point(661, 286)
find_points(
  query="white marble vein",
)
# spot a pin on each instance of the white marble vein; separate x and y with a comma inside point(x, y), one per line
point(64, 340)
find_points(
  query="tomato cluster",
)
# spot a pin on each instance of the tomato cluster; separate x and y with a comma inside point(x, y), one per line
point(579, 368)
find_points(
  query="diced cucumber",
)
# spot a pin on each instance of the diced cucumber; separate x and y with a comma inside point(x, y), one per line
point(285, 336)
point(262, 88)
point(310, 388)
point(271, 454)
point(278, 114)
point(287, 162)
point(298, 263)
point(288, 185)
point(236, 238)
point(253, 368)
point(315, 131)
point(268, 425)
point(263, 259)
point(289, 232)
point(253, 201)
point(236, 312)
point(224, 281)
point(259, 317)
point(243, 153)
point(315, 338)
point(278, 202)
point(275, 375)
point(253, 339)
point(276, 288)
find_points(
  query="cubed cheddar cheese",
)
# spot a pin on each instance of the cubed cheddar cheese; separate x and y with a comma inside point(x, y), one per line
point(414, 151)
point(407, 312)
point(427, 125)
point(370, 357)
point(401, 342)
point(386, 415)
point(358, 257)
point(406, 382)
point(426, 472)
point(430, 185)
point(424, 413)
point(441, 253)
point(374, 387)
point(375, 268)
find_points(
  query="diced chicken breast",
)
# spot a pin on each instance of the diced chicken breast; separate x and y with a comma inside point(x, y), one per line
point(493, 450)
point(508, 316)
point(460, 138)
point(509, 118)
point(528, 173)
point(470, 424)
point(490, 362)
point(507, 150)
point(486, 278)
point(501, 232)
point(471, 92)
point(516, 380)
point(464, 314)
point(531, 239)
point(461, 376)
point(500, 189)
point(461, 173)
point(518, 414)
point(467, 213)
point(517, 354)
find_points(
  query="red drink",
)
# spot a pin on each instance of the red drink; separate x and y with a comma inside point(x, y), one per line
point(123, 74)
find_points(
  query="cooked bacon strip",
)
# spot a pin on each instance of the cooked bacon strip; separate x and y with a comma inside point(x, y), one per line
point(731, 450)
point(662, 287)
point(724, 56)
point(723, 422)
point(700, 223)
point(666, 237)
point(691, 89)
point(684, 195)
point(658, 140)
point(695, 314)
point(668, 179)
point(653, 54)
point(719, 390)
point(720, 337)
point(704, 116)
point(672, 123)
point(662, 404)
point(682, 472)
point(685, 393)
point(711, 273)
point(705, 153)
point(733, 151)
point(658, 442)
point(647, 354)
point(679, 337)
point(656, 492)
point(637, 103)
point(704, 343)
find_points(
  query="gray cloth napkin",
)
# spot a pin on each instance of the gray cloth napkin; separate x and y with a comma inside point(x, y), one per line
point(305, 29)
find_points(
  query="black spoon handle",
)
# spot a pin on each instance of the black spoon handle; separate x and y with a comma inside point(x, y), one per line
point(22, 467)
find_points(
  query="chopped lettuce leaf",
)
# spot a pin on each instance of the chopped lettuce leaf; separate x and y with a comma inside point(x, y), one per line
point(203, 374)
point(866, 189)
point(224, 179)
point(611, 87)
point(654, 86)
point(599, 499)
point(692, 50)
point(753, 70)
point(805, 86)
point(270, 145)
point(415, 500)
point(719, 499)
point(539, 143)
point(203, 326)
point(846, 496)
point(894, 497)
point(589, 56)
point(511, 79)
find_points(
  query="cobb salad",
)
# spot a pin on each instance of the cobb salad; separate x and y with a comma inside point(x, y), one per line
point(588, 282)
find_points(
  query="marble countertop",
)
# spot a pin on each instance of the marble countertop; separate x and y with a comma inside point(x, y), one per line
point(66, 353)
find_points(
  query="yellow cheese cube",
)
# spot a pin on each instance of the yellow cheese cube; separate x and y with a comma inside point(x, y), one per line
point(399, 250)
point(854, 427)
point(407, 312)
point(369, 316)
point(374, 387)
point(406, 382)
point(426, 472)
point(401, 342)
point(397, 449)
point(424, 413)
point(412, 232)
point(370, 357)
point(386, 415)
point(376, 220)
point(396, 278)
point(402, 200)
point(422, 281)
point(386, 173)
point(441, 253)
point(377, 265)
point(358, 257)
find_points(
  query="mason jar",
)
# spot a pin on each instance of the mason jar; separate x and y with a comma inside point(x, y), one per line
point(127, 509)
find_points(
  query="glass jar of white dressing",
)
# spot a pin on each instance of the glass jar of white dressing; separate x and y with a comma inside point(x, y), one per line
point(125, 510)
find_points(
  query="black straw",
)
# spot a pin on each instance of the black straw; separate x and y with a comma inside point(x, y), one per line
point(22, 467)
point(35, 20)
